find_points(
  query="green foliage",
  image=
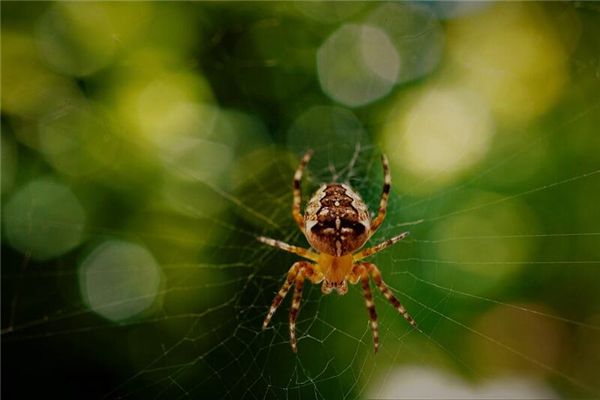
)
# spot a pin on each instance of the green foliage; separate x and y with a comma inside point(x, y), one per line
point(145, 145)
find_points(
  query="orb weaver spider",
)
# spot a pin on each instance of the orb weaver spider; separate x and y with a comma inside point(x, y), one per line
point(336, 223)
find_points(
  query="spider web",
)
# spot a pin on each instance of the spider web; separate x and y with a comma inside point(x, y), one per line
point(203, 338)
point(219, 349)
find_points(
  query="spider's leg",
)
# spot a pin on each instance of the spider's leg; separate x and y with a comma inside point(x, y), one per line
point(385, 193)
point(299, 269)
point(297, 192)
point(360, 272)
point(294, 309)
point(312, 273)
point(292, 273)
point(289, 248)
point(376, 274)
point(377, 248)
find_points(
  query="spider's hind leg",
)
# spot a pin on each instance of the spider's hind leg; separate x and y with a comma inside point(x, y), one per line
point(300, 271)
point(291, 276)
point(376, 274)
point(294, 310)
point(359, 272)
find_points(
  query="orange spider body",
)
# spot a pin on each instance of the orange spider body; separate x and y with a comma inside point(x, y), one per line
point(335, 271)
point(336, 223)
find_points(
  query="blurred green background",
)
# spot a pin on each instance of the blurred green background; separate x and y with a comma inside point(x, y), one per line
point(145, 145)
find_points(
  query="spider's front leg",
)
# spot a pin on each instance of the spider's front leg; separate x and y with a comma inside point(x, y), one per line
point(385, 194)
point(299, 271)
point(289, 248)
point(297, 190)
point(377, 248)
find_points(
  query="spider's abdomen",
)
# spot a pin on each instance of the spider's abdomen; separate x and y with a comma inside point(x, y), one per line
point(336, 220)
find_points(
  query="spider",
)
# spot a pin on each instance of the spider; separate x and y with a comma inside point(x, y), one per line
point(336, 223)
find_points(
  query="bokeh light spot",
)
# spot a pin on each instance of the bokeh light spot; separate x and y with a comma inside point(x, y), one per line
point(197, 142)
point(537, 337)
point(428, 383)
point(457, 9)
point(444, 131)
point(29, 88)
point(329, 11)
point(44, 219)
point(76, 141)
point(163, 105)
point(378, 53)
point(198, 159)
point(119, 280)
point(489, 261)
point(415, 33)
point(76, 38)
point(8, 156)
point(357, 64)
point(511, 55)
point(337, 127)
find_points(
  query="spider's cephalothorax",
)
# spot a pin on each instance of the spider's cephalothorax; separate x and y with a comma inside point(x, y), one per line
point(336, 224)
